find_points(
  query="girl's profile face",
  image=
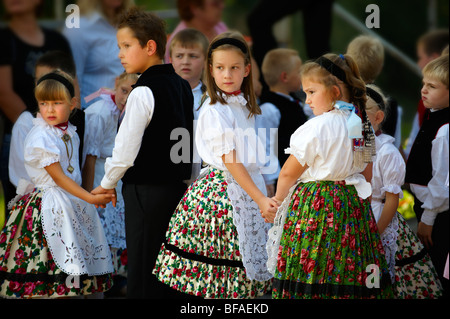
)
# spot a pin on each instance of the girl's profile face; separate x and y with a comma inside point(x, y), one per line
point(56, 112)
point(123, 89)
point(229, 70)
point(318, 96)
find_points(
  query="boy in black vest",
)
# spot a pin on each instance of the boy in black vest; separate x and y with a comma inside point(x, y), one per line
point(146, 154)
point(281, 114)
point(427, 168)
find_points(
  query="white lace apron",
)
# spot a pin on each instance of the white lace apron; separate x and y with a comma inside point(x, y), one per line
point(251, 227)
point(273, 243)
point(74, 234)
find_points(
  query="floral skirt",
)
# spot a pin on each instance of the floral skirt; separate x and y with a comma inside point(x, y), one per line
point(330, 247)
point(415, 276)
point(27, 269)
point(201, 254)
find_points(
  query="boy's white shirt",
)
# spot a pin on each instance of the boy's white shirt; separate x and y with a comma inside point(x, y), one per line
point(140, 107)
point(435, 196)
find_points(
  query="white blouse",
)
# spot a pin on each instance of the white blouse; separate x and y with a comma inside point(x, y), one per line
point(101, 127)
point(323, 144)
point(388, 173)
point(223, 128)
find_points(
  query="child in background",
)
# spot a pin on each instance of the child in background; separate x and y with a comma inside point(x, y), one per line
point(281, 115)
point(53, 232)
point(101, 126)
point(429, 47)
point(412, 273)
point(48, 62)
point(160, 104)
point(215, 242)
point(427, 168)
point(187, 52)
point(325, 238)
point(368, 53)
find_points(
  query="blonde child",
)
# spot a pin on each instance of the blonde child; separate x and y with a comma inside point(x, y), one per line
point(329, 242)
point(188, 50)
point(54, 231)
point(102, 121)
point(215, 242)
point(281, 115)
point(412, 273)
point(427, 167)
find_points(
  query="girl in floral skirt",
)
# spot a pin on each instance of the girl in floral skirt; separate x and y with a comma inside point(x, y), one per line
point(325, 242)
point(215, 243)
point(410, 267)
point(53, 244)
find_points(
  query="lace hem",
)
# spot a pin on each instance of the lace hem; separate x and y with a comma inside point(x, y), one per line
point(389, 241)
point(275, 232)
point(251, 228)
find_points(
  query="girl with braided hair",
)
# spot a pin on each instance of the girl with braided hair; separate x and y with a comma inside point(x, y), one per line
point(325, 241)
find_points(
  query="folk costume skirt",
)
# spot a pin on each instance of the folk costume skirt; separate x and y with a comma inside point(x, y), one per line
point(415, 275)
point(201, 254)
point(329, 246)
point(27, 268)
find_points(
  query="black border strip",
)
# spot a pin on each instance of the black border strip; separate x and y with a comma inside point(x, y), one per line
point(203, 259)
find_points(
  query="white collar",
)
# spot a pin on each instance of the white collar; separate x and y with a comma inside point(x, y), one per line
point(39, 121)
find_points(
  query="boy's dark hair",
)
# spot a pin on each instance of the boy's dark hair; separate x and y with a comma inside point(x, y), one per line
point(58, 60)
point(434, 41)
point(146, 26)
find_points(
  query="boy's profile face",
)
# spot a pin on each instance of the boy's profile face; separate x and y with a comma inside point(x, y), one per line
point(188, 62)
point(134, 58)
point(434, 93)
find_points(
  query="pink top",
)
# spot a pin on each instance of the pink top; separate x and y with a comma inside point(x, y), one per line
point(218, 28)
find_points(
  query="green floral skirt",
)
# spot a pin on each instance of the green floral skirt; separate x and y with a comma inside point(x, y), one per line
point(201, 254)
point(330, 246)
point(415, 275)
point(27, 269)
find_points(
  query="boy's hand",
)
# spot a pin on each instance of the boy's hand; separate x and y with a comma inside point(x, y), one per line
point(101, 190)
point(424, 233)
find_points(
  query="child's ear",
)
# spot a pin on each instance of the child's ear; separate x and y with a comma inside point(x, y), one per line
point(247, 70)
point(336, 92)
point(379, 116)
point(74, 103)
point(151, 47)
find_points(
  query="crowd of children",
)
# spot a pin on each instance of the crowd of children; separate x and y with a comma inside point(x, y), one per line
point(181, 182)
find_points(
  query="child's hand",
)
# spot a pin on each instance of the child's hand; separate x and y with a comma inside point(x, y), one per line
point(102, 191)
point(424, 233)
point(101, 199)
point(268, 209)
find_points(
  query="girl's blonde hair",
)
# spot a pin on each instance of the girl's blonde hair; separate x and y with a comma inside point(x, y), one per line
point(126, 76)
point(247, 85)
point(53, 90)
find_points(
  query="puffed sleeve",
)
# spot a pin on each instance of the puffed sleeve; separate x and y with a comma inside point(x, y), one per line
point(393, 168)
point(215, 127)
point(304, 144)
point(40, 152)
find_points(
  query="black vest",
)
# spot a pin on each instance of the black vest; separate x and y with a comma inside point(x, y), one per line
point(173, 110)
point(292, 117)
point(418, 166)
